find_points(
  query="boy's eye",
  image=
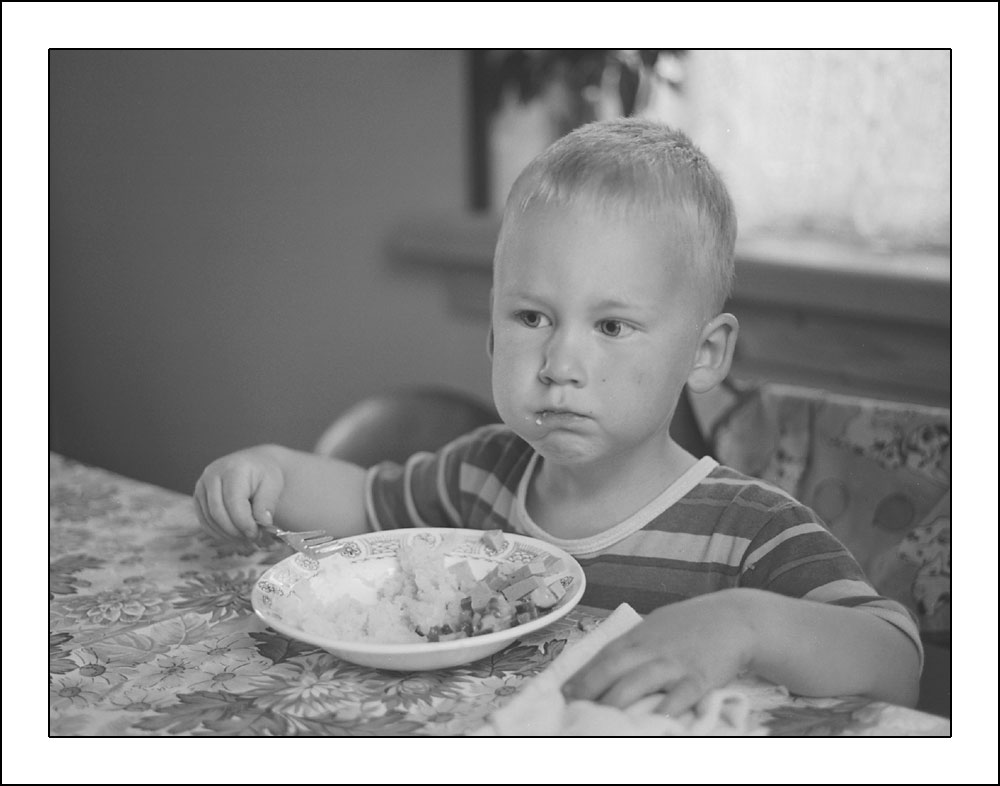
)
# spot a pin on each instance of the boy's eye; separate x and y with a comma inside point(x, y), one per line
point(532, 319)
point(614, 328)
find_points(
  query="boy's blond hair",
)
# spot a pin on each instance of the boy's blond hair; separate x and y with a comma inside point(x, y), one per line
point(634, 168)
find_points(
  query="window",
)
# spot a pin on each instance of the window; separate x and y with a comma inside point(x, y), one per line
point(850, 144)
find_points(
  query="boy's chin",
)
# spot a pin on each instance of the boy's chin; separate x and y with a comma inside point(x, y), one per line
point(566, 448)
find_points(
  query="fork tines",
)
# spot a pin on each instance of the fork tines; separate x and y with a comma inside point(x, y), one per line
point(312, 543)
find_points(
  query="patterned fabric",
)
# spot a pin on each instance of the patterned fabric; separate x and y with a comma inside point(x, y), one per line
point(713, 529)
point(151, 632)
point(878, 473)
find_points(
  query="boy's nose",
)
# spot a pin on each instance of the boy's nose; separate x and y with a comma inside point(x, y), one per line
point(561, 363)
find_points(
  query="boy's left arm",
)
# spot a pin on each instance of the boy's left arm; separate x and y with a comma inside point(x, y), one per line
point(814, 649)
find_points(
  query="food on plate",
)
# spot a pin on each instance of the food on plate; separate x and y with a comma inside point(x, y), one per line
point(436, 595)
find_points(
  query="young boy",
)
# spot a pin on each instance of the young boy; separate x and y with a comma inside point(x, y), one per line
point(613, 264)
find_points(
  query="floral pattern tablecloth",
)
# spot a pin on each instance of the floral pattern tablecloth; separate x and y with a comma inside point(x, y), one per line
point(151, 632)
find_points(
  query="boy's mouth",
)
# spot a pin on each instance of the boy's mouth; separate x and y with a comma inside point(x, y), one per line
point(556, 416)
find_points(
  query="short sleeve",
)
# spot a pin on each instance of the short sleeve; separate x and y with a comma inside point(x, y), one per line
point(468, 483)
point(795, 555)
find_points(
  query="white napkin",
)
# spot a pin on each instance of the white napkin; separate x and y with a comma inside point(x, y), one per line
point(540, 709)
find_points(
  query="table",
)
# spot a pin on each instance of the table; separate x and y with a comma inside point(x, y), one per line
point(151, 632)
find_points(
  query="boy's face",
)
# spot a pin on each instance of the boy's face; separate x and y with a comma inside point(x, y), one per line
point(595, 328)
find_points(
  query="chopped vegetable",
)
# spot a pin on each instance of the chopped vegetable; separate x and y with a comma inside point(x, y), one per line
point(521, 588)
point(508, 595)
point(481, 595)
point(463, 573)
point(494, 539)
point(543, 598)
point(538, 567)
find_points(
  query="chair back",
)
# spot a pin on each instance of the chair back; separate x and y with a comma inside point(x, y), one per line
point(393, 426)
point(877, 472)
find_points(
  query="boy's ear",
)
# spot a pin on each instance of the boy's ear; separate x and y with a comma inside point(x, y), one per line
point(714, 355)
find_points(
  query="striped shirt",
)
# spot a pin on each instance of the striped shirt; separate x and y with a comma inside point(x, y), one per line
point(712, 529)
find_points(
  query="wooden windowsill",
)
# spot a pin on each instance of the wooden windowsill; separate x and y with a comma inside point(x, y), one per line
point(801, 273)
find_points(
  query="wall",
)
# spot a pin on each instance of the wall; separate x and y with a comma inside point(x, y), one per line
point(218, 271)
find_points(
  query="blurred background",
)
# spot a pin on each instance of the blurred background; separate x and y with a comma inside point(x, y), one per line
point(244, 243)
point(219, 222)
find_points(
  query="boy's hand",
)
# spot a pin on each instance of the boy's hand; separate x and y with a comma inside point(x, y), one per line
point(237, 491)
point(684, 650)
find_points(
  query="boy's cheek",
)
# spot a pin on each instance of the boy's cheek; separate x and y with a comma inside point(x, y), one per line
point(510, 356)
point(512, 379)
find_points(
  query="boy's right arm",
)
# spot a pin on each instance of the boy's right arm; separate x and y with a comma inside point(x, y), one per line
point(292, 489)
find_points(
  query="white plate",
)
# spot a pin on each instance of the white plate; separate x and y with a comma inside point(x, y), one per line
point(372, 557)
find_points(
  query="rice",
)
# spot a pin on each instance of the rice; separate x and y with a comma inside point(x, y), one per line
point(422, 594)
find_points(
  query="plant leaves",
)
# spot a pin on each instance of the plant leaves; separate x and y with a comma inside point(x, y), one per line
point(130, 648)
point(278, 648)
point(194, 709)
point(819, 722)
point(393, 724)
point(74, 563)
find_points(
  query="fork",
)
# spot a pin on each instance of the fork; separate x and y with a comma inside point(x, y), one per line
point(314, 544)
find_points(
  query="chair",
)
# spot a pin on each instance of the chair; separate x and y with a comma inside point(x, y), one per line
point(686, 430)
point(393, 426)
point(879, 475)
